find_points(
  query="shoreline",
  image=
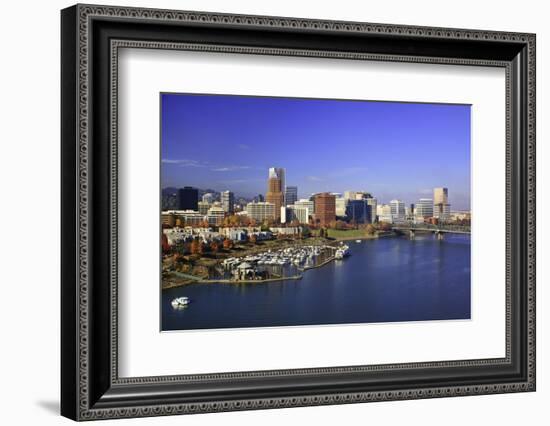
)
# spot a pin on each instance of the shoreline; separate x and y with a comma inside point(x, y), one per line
point(228, 281)
point(295, 277)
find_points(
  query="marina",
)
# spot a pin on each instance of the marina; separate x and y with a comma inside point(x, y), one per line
point(282, 263)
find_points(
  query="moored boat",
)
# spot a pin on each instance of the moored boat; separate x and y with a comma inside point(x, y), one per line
point(180, 302)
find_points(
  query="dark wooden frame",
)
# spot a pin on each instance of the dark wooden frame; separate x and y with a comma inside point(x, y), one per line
point(90, 386)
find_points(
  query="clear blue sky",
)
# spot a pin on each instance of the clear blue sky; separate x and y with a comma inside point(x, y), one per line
point(391, 149)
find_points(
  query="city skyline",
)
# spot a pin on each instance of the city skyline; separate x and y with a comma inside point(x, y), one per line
point(392, 150)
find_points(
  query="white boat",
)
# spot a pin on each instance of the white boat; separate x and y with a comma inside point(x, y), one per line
point(342, 252)
point(180, 302)
point(357, 241)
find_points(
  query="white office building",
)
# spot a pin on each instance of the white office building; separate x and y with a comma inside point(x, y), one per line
point(397, 210)
point(228, 201)
point(424, 208)
point(215, 215)
point(299, 213)
point(341, 204)
point(260, 211)
point(304, 202)
point(383, 212)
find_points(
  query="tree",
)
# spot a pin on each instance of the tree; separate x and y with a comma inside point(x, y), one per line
point(253, 239)
point(384, 226)
point(340, 224)
point(227, 244)
point(214, 247)
point(370, 229)
point(196, 247)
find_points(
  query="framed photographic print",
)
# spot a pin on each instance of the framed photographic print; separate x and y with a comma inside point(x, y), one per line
point(263, 212)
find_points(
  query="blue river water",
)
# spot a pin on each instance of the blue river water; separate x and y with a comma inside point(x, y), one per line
point(384, 280)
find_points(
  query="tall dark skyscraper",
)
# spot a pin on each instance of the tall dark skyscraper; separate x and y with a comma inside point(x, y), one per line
point(359, 211)
point(187, 198)
point(291, 195)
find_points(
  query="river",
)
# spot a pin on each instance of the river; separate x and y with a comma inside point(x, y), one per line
point(384, 280)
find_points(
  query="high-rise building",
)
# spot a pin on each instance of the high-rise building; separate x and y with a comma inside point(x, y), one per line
point(441, 207)
point(187, 198)
point(275, 189)
point(325, 208)
point(373, 203)
point(424, 208)
point(261, 211)
point(291, 195)
point(228, 201)
point(441, 196)
point(383, 211)
point(359, 211)
point(397, 210)
point(341, 204)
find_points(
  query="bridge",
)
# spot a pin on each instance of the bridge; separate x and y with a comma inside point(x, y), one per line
point(438, 230)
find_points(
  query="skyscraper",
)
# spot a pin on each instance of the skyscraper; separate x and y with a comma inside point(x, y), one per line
point(228, 201)
point(291, 195)
point(325, 208)
point(442, 208)
point(397, 210)
point(373, 203)
point(359, 211)
point(187, 198)
point(275, 189)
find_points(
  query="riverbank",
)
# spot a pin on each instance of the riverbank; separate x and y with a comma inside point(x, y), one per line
point(175, 279)
point(169, 285)
point(187, 279)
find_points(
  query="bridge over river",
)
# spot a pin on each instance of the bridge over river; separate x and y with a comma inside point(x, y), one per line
point(438, 230)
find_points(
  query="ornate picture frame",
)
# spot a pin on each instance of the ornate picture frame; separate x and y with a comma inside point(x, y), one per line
point(91, 37)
